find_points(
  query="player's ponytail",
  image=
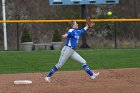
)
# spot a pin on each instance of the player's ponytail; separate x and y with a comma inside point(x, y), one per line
point(70, 24)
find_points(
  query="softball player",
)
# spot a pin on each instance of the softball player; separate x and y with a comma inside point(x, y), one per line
point(68, 51)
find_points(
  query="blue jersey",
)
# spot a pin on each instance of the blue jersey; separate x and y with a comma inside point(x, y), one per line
point(73, 37)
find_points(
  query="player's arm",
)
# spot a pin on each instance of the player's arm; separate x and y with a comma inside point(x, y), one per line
point(65, 35)
point(86, 27)
point(82, 31)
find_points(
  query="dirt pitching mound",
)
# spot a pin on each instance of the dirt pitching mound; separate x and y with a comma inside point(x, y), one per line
point(109, 81)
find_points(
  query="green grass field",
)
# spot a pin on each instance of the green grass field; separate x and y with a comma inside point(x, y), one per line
point(42, 61)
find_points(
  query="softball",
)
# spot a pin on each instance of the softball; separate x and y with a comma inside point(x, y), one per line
point(109, 13)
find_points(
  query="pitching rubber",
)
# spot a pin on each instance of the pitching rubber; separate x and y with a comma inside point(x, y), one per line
point(22, 82)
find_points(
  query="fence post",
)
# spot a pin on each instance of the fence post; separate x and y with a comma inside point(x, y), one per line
point(115, 36)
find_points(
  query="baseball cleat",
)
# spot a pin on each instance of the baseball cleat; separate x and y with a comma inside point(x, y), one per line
point(95, 75)
point(47, 79)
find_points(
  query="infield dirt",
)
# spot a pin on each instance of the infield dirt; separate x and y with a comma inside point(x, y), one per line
point(109, 81)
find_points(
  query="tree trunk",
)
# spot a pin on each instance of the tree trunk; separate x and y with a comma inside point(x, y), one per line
point(84, 13)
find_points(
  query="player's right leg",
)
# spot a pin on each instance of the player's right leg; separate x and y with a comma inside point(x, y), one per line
point(79, 59)
point(65, 54)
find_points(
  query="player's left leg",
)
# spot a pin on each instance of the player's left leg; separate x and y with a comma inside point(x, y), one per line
point(79, 59)
point(65, 54)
